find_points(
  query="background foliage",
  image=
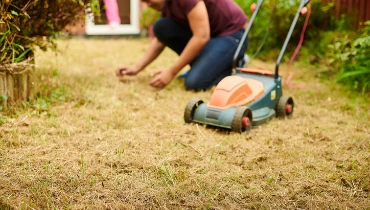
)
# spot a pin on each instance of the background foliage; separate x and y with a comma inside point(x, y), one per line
point(275, 18)
point(328, 41)
point(25, 24)
point(351, 57)
point(148, 17)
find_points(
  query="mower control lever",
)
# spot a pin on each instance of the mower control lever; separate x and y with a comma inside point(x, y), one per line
point(302, 4)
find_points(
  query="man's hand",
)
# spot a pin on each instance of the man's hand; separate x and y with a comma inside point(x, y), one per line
point(120, 72)
point(161, 78)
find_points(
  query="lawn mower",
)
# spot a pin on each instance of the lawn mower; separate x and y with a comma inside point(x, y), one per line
point(249, 97)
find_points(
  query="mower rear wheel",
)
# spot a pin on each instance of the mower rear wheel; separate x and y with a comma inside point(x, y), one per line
point(242, 121)
point(285, 107)
point(190, 109)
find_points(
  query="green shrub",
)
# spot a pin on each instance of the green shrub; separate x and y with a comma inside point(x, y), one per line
point(275, 18)
point(25, 24)
point(351, 57)
point(148, 17)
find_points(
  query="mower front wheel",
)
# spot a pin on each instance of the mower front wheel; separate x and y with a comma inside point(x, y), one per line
point(190, 109)
point(242, 121)
point(285, 107)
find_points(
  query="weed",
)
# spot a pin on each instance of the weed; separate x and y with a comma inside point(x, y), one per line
point(166, 171)
point(82, 168)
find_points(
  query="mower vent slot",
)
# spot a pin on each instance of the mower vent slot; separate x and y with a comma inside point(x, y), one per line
point(211, 114)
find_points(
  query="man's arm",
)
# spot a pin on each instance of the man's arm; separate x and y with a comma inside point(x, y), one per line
point(155, 48)
point(199, 25)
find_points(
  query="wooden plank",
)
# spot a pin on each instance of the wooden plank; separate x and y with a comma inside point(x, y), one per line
point(350, 6)
point(367, 12)
point(337, 8)
point(30, 77)
point(353, 12)
point(10, 85)
point(22, 86)
point(357, 13)
point(3, 88)
point(362, 10)
point(344, 8)
point(29, 85)
point(15, 88)
point(2, 84)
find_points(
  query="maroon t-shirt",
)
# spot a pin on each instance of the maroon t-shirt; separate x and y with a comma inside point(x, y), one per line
point(225, 16)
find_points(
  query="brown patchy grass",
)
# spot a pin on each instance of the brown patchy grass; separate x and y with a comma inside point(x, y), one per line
point(95, 142)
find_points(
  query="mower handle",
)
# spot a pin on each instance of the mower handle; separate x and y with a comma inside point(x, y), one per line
point(302, 4)
point(259, 3)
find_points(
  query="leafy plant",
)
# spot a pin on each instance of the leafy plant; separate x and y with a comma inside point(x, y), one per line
point(25, 24)
point(148, 17)
point(274, 20)
point(353, 56)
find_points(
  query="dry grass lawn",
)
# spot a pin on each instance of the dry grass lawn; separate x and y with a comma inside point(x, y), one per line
point(90, 141)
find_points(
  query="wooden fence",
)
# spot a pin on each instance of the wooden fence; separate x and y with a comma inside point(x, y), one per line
point(358, 10)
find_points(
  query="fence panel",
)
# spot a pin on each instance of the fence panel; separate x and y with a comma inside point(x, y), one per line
point(358, 10)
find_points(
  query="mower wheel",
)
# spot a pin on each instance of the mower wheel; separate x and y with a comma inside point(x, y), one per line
point(242, 121)
point(190, 109)
point(285, 107)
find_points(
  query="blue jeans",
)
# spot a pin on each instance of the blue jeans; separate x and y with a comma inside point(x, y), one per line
point(214, 61)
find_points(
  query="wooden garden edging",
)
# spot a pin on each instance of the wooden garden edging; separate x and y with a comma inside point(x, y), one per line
point(15, 82)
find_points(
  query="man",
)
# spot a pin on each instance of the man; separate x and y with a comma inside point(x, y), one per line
point(205, 35)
